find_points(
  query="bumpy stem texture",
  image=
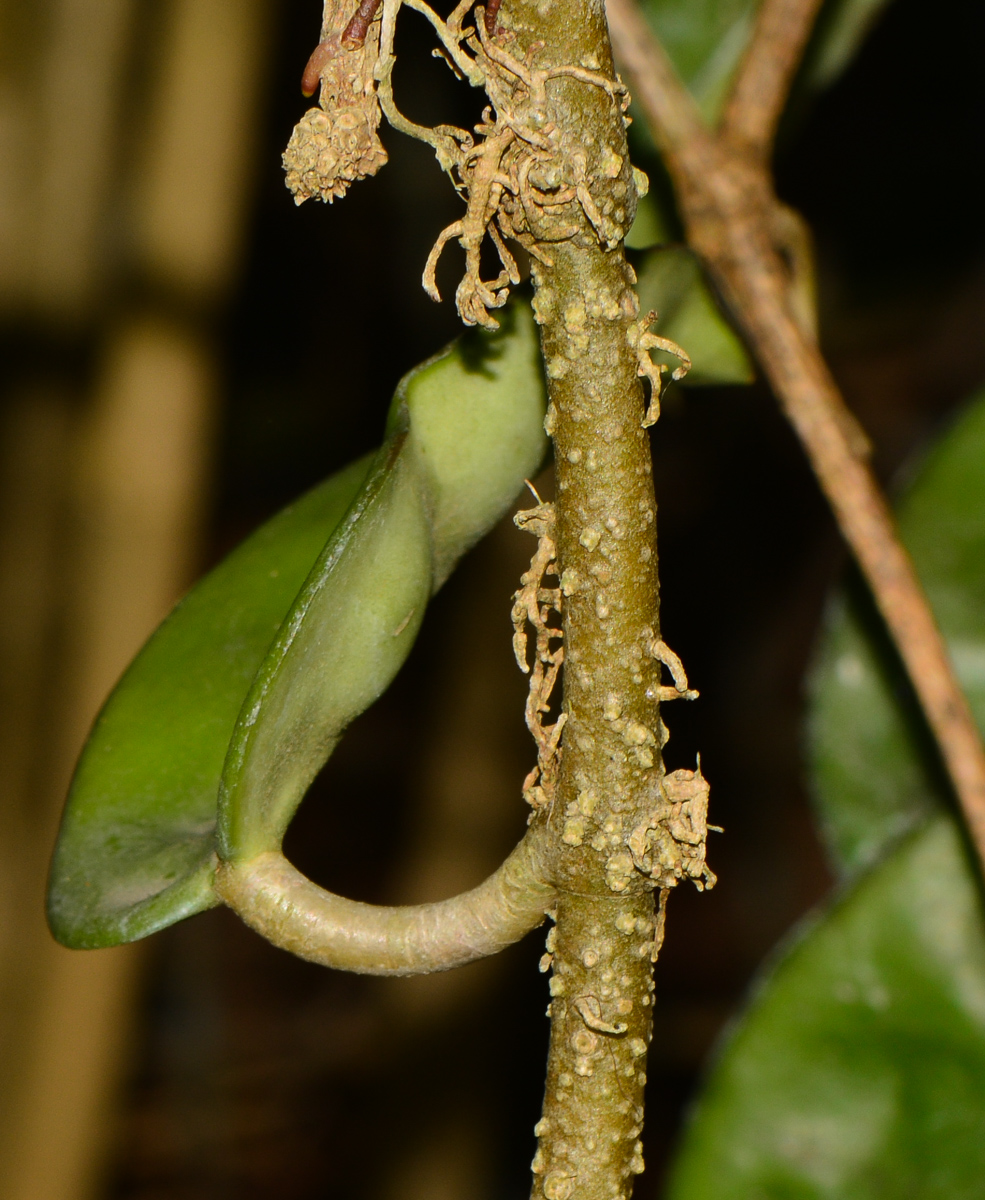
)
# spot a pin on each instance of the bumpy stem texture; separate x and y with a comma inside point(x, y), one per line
point(611, 770)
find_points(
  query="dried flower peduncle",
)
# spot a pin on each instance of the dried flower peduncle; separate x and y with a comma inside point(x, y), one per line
point(337, 143)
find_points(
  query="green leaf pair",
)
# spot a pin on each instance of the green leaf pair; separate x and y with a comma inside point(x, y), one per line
point(858, 1071)
point(219, 726)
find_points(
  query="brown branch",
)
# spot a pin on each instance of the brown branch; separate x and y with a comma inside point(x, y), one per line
point(729, 207)
point(765, 74)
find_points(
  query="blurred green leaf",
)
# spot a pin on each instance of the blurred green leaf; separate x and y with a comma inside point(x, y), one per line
point(841, 29)
point(136, 849)
point(705, 40)
point(858, 1071)
point(650, 227)
point(870, 781)
point(872, 775)
point(672, 284)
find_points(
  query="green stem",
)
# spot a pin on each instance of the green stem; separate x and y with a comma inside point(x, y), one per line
point(611, 771)
point(611, 766)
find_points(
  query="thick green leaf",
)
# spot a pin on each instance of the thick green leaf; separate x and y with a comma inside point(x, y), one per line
point(447, 472)
point(345, 638)
point(137, 845)
point(858, 1072)
point(672, 284)
point(872, 777)
point(135, 850)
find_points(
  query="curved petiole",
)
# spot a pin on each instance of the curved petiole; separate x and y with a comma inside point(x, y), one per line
point(286, 908)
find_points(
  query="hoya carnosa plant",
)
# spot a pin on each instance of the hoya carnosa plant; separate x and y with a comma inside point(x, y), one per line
point(306, 624)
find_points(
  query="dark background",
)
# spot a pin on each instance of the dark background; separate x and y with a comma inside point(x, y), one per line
point(257, 1076)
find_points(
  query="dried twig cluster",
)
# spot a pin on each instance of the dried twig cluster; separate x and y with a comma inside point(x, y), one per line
point(511, 171)
point(337, 143)
point(535, 603)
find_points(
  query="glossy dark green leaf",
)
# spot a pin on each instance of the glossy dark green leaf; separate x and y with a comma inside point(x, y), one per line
point(872, 779)
point(463, 435)
point(136, 850)
point(858, 1072)
point(672, 284)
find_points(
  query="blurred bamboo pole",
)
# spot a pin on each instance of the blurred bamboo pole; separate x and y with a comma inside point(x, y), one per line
point(62, 75)
point(133, 499)
point(34, 448)
point(140, 467)
point(81, 92)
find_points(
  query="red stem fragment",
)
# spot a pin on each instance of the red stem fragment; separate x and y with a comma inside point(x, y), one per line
point(492, 11)
point(354, 34)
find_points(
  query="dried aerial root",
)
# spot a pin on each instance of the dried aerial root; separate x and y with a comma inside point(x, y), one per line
point(534, 603)
point(662, 653)
point(643, 342)
point(514, 179)
point(336, 144)
point(511, 172)
point(670, 843)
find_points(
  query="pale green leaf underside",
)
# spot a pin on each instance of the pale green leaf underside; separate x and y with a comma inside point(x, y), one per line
point(285, 642)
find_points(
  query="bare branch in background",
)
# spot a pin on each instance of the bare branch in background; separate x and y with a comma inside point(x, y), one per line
point(765, 74)
point(726, 196)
